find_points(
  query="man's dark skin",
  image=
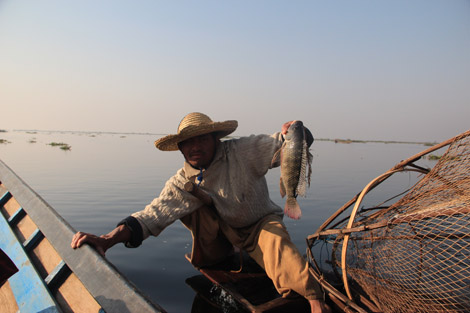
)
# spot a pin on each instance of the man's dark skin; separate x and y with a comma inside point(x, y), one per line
point(199, 152)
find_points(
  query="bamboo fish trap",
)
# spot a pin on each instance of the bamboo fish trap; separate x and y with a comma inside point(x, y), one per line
point(410, 256)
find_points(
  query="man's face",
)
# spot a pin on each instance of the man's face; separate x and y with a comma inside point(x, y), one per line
point(199, 151)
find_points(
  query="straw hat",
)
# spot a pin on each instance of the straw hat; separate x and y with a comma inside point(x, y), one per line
point(192, 125)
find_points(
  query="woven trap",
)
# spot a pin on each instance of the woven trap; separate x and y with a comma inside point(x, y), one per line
point(410, 256)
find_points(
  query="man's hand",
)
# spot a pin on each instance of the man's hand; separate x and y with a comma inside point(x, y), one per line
point(308, 134)
point(285, 127)
point(102, 243)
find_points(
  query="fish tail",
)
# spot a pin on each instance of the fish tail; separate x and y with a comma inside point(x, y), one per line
point(292, 208)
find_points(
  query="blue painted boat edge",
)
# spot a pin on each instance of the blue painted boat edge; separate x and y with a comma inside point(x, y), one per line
point(106, 284)
point(30, 291)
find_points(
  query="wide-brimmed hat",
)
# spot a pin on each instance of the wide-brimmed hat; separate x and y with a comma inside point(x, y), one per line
point(192, 125)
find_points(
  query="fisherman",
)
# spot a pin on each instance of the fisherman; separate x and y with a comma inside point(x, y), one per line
point(232, 172)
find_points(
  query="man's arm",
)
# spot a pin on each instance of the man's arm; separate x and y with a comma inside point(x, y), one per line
point(102, 243)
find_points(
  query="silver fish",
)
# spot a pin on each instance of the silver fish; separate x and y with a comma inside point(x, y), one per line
point(296, 167)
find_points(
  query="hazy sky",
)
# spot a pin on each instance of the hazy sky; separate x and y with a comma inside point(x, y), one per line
point(391, 70)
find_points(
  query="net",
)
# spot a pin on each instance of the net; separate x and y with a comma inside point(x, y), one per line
point(411, 256)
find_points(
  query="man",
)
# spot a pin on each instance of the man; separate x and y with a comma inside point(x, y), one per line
point(232, 173)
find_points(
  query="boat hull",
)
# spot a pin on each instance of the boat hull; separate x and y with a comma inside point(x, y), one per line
point(52, 276)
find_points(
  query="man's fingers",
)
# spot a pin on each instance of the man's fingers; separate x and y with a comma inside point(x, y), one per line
point(285, 127)
point(80, 238)
point(75, 238)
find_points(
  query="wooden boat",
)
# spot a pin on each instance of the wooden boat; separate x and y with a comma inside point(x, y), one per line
point(53, 277)
point(242, 288)
point(245, 285)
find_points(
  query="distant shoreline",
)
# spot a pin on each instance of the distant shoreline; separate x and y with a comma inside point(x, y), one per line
point(349, 141)
point(32, 131)
point(336, 140)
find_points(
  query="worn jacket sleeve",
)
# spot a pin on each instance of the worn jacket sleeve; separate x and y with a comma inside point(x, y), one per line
point(258, 152)
point(136, 231)
point(172, 204)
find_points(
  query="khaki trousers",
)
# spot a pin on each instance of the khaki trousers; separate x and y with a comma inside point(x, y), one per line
point(267, 242)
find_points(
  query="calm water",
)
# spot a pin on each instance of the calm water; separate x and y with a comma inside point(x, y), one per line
point(106, 177)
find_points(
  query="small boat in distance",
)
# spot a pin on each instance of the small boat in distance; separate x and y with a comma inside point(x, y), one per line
point(53, 277)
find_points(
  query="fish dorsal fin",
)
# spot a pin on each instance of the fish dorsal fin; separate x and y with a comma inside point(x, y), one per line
point(302, 185)
point(309, 162)
point(308, 136)
point(305, 170)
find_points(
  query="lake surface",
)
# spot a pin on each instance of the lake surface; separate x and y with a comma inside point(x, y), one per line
point(105, 177)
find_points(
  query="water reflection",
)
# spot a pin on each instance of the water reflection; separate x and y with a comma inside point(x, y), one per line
point(106, 177)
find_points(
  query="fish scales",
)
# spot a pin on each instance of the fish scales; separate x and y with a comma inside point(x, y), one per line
point(295, 167)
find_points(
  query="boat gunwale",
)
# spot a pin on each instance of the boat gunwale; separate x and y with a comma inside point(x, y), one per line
point(113, 291)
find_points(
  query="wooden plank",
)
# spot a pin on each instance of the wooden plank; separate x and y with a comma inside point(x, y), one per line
point(104, 282)
point(44, 257)
point(74, 298)
point(3, 190)
point(33, 240)
point(7, 299)
point(25, 228)
point(11, 206)
point(57, 275)
point(14, 219)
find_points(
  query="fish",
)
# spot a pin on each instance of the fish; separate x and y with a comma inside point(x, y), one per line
point(296, 166)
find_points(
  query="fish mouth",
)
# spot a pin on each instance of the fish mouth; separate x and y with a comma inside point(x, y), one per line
point(295, 126)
